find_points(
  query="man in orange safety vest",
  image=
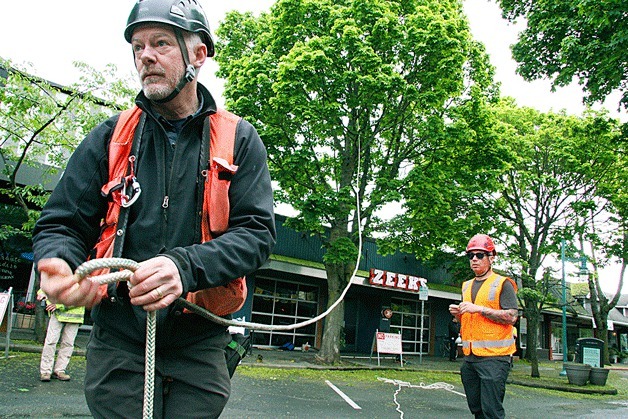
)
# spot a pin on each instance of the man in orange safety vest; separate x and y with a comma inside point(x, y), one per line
point(487, 314)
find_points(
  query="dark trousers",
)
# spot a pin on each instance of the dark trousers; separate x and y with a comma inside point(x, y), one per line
point(190, 382)
point(485, 386)
point(453, 348)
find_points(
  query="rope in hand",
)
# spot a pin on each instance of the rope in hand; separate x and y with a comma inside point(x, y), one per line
point(128, 266)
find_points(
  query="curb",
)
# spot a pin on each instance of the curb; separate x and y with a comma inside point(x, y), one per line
point(571, 389)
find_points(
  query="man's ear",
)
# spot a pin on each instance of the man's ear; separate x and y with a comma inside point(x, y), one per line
point(199, 55)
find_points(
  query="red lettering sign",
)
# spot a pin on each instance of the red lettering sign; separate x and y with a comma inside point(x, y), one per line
point(387, 279)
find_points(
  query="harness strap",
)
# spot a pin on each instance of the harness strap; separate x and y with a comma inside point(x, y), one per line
point(219, 133)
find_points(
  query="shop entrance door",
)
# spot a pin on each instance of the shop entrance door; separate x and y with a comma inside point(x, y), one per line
point(351, 325)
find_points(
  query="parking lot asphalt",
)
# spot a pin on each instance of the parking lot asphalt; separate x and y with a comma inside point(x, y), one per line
point(23, 395)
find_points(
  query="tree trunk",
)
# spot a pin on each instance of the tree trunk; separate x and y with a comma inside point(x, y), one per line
point(532, 317)
point(41, 325)
point(330, 346)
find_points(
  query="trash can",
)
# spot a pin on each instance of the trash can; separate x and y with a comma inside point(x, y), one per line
point(590, 351)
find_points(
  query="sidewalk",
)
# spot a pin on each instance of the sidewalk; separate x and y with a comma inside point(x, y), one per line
point(296, 359)
point(270, 358)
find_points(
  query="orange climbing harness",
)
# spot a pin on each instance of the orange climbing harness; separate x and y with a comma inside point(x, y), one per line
point(123, 189)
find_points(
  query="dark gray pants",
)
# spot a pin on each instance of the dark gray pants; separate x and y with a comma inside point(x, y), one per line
point(485, 386)
point(190, 382)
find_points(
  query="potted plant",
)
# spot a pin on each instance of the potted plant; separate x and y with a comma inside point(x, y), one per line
point(598, 376)
point(577, 373)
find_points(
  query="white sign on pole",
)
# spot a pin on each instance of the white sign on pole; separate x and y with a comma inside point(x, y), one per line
point(4, 303)
point(388, 343)
point(423, 292)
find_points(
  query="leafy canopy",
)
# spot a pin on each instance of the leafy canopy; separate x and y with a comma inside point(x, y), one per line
point(583, 39)
point(331, 85)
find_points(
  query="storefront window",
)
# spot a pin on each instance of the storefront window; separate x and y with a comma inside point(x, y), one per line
point(406, 319)
point(283, 303)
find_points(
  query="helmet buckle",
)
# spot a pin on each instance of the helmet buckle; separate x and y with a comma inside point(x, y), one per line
point(190, 72)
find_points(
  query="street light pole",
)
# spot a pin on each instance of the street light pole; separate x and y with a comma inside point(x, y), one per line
point(583, 271)
point(564, 337)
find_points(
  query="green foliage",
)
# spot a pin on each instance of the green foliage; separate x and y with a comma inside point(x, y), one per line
point(583, 39)
point(348, 94)
point(42, 123)
point(341, 251)
point(531, 295)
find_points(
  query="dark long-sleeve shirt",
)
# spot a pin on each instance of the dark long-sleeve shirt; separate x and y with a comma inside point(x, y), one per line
point(69, 225)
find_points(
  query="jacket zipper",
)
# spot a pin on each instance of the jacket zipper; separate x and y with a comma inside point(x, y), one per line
point(165, 204)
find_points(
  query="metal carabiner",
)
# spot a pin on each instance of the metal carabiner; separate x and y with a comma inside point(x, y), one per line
point(136, 191)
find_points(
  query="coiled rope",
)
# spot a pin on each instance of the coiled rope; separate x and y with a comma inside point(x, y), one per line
point(400, 384)
point(128, 266)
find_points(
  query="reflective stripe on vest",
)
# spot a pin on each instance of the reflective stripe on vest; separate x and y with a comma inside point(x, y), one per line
point(488, 343)
point(482, 336)
point(222, 300)
point(70, 315)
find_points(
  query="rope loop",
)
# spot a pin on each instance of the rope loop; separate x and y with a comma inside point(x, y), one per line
point(86, 268)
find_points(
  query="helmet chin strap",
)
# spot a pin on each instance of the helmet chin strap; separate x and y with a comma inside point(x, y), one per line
point(190, 70)
point(485, 272)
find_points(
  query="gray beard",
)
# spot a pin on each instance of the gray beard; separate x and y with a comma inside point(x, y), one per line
point(156, 92)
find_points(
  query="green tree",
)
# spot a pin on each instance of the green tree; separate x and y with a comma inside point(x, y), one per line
point(602, 228)
point(557, 163)
point(540, 169)
point(582, 39)
point(346, 96)
point(41, 123)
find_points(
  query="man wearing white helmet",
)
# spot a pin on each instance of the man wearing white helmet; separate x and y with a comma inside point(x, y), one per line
point(487, 314)
point(196, 219)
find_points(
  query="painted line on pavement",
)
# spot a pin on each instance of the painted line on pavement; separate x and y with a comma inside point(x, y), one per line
point(344, 396)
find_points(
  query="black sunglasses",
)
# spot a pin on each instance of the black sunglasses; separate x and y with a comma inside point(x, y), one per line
point(479, 255)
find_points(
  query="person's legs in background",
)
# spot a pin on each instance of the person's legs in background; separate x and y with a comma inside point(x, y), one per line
point(50, 345)
point(66, 347)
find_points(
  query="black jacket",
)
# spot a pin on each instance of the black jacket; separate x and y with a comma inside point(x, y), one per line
point(69, 223)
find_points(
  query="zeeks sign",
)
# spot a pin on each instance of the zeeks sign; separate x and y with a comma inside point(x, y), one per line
point(394, 280)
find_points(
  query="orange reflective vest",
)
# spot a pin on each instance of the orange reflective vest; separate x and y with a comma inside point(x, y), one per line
point(222, 300)
point(482, 336)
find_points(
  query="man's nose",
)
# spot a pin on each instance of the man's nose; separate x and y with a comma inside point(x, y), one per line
point(148, 55)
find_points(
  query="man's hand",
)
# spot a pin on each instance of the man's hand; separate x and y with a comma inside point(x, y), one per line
point(467, 307)
point(156, 284)
point(61, 285)
point(454, 309)
point(498, 316)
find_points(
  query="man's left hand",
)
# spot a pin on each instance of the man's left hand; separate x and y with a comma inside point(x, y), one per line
point(467, 307)
point(155, 284)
